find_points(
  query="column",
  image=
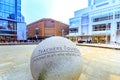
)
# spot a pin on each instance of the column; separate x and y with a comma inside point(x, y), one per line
point(113, 30)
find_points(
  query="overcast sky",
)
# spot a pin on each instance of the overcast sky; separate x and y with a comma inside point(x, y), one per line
point(60, 10)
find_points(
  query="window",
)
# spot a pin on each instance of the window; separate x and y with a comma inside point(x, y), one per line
point(1, 7)
point(12, 2)
point(7, 1)
point(19, 1)
point(89, 2)
point(7, 8)
point(12, 9)
point(102, 4)
point(73, 30)
point(36, 31)
point(117, 14)
point(0, 14)
point(113, 1)
point(18, 8)
point(104, 17)
point(118, 25)
point(6, 15)
point(85, 19)
point(49, 24)
point(98, 1)
point(108, 26)
point(101, 27)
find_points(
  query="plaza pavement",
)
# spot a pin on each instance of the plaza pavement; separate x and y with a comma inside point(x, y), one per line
point(98, 63)
point(109, 46)
point(15, 62)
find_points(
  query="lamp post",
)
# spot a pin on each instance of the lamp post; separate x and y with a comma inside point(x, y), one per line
point(36, 34)
point(63, 32)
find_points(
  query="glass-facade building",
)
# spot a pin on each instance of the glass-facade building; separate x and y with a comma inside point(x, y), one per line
point(99, 22)
point(10, 15)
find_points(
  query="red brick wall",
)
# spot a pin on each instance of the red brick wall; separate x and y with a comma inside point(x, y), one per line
point(46, 27)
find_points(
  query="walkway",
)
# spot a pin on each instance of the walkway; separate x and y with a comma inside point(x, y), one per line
point(100, 63)
point(110, 46)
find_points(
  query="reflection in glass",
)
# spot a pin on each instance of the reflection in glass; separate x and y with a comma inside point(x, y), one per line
point(10, 12)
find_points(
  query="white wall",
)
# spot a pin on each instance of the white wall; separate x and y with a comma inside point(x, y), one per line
point(21, 31)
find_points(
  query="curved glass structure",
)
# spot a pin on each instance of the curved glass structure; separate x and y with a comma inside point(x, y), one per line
point(10, 14)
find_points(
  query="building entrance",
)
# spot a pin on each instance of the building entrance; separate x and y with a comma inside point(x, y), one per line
point(73, 39)
point(101, 39)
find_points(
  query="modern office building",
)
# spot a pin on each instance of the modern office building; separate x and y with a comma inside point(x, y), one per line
point(99, 22)
point(10, 16)
point(45, 28)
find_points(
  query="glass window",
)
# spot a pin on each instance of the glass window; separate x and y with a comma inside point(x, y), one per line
point(4, 8)
point(7, 8)
point(108, 26)
point(0, 14)
point(89, 2)
point(1, 1)
point(5, 24)
point(99, 1)
point(12, 9)
point(12, 16)
point(19, 1)
point(101, 27)
point(15, 26)
point(85, 19)
point(113, 1)
point(5, 15)
point(104, 17)
point(118, 25)
point(1, 27)
point(18, 8)
point(19, 19)
point(73, 30)
point(12, 2)
point(18, 14)
point(1, 7)
point(7, 1)
point(117, 14)
point(10, 25)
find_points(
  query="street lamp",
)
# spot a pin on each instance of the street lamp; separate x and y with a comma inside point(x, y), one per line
point(36, 34)
point(63, 32)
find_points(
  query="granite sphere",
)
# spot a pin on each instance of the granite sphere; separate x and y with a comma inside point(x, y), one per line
point(56, 58)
